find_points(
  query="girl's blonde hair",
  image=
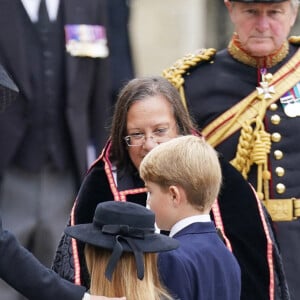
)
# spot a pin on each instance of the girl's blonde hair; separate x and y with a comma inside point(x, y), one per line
point(124, 280)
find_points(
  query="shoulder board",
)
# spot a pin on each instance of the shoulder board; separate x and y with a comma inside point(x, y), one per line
point(175, 73)
point(294, 39)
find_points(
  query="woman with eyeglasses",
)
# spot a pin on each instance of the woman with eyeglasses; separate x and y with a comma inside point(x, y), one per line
point(149, 112)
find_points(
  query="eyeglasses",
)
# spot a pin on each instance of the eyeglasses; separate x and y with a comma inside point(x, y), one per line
point(160, 135)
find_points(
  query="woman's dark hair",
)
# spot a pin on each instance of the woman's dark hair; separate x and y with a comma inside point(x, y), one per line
point(136, 90)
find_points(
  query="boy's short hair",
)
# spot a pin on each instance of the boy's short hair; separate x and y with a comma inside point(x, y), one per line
point(189, 162)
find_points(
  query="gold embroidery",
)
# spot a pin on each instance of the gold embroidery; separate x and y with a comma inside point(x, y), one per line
point(237, 52)
point(175, 73)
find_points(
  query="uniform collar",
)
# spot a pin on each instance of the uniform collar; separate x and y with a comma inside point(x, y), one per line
point(238, 53)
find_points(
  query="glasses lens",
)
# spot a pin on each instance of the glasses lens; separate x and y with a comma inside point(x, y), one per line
point(133, 140)
point(159, 136)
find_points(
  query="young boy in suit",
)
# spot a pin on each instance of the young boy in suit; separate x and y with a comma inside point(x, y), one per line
point(183, 178)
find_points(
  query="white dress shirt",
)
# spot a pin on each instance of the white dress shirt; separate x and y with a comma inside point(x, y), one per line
point(32, 8)
point(187, 221)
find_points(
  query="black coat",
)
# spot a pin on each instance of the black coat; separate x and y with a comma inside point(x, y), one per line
point(87, 102)
point(20, 269)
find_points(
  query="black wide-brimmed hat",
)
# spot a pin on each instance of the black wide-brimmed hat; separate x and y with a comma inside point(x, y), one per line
point(123, 226)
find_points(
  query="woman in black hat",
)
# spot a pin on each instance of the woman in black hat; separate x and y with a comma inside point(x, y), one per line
point(120, 247)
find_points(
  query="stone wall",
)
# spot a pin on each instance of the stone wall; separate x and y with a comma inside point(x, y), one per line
point(164, 30)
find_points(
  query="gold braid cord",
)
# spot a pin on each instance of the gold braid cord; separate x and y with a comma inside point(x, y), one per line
point(175, 73)
point(294, 39)
point(253, 148)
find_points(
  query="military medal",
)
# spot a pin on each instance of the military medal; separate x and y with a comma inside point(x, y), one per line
point(290, 102)
point(86, 40)
point(264, 90)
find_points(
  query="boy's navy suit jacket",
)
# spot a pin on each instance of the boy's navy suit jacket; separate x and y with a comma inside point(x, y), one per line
point(202, 267)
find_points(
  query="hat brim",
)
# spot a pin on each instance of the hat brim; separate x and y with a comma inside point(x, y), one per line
point(89, 234)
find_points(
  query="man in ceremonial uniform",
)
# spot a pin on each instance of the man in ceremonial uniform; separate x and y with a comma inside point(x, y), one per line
point(246, 101)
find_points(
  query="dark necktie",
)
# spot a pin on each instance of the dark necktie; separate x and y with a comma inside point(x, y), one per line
point(43, 16)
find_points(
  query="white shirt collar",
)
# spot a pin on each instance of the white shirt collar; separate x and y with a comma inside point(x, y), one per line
point(32, 7)
point(187, 221)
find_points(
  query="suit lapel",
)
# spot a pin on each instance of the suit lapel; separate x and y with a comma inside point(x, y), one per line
point(78, 12)
point(12, 15)
point(71, 10)
point(74, 12)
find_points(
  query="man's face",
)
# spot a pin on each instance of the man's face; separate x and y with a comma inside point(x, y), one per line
point(262, 28)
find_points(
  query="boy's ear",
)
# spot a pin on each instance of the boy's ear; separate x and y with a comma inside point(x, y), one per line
point(175, 195)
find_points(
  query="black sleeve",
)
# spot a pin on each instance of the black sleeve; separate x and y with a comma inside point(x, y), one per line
point(20, 269)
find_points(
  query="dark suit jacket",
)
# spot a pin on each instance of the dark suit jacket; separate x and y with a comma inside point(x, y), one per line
point(202, 267)
point(121, 60)
point(26, 274)
point(87, 95)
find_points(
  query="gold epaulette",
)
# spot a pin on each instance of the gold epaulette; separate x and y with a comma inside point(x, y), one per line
point(294, 39)
point(175, 73)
